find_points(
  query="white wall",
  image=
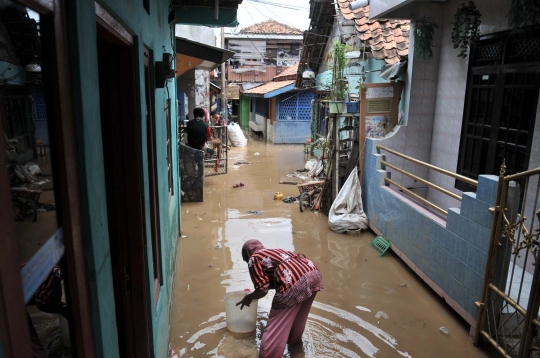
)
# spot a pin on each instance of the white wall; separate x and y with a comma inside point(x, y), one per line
point(202, 34)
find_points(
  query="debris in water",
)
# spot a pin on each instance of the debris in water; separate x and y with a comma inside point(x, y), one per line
point(403, 284)
point(219, 204)
point(238, 185)
point(278, 196)
point(381, 314)
point(444, 331)
point(184, 236)
point(423, 322)
point(215, 221)
point(289, 200)
point(209, 265)
point(257, 153)
point(363, 309)
point(188, 287)
point(240, 163)
point(199, 218)
point(255, 212)
point(268, 224)
point(187, 211)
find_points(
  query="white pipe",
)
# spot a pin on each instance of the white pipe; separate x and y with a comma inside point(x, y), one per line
point(358, 4)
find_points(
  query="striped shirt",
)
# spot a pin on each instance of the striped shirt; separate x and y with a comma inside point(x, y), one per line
point(278, 269)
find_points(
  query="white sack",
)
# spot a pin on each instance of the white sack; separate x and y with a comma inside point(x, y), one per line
point(347, 212)
point(236, 136)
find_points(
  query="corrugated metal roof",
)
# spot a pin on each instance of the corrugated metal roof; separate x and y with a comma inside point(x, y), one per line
point(387, 39)
point(268, 87)
point(288, 74)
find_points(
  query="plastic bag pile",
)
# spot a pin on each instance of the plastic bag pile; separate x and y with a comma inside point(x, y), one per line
point(236, 136)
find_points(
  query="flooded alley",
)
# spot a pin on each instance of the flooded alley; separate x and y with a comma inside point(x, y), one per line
point(370, 306)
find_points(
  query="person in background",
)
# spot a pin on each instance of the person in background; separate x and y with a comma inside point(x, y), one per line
point(198, 131)
point(296, 281)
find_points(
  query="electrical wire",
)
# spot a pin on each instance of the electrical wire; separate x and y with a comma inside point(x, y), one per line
point(284, 6)
point(267, 8)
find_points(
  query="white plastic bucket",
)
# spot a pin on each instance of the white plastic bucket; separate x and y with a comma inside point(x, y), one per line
point(242, 323)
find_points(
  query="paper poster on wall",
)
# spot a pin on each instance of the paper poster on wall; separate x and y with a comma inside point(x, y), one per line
point(378, 126)
point(380, 92)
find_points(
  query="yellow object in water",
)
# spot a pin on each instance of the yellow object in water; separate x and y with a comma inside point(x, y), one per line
point(278, 196)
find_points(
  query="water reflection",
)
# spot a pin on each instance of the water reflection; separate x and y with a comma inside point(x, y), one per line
point(364, 309)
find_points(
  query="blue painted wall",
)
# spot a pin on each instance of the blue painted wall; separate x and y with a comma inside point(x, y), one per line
point(293, 117)
point(151, 30)
point(453, 255)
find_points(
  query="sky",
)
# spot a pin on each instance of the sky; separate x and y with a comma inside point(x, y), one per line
point(250, 12)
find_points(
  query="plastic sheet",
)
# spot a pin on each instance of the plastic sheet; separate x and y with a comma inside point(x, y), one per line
point(347, 213)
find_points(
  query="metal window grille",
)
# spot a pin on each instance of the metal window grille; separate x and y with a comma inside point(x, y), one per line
point(295, 107)
point(500, 108)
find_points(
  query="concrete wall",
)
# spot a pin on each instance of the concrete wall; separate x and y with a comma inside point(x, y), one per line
point(449, 255)
point(291, 132)
point(202, 34)
point(202, 89)
point(152, 31)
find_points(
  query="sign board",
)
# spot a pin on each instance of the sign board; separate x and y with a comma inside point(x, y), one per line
point(380, 92)
point(233, 92)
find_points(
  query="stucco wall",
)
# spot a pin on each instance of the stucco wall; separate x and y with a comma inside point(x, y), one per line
point(152, 31)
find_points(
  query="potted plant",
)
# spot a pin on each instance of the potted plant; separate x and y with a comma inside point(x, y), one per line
point(339, 83)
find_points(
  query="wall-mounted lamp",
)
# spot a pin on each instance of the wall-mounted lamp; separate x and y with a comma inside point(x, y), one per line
point(358, 4)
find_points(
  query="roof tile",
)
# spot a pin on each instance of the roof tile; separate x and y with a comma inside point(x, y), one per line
point(388, 39)
point(271, 27)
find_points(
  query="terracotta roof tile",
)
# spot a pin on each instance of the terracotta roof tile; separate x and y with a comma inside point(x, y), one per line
point(271, 27)
point(291, 71)
point(388, 39)
point(269, 87)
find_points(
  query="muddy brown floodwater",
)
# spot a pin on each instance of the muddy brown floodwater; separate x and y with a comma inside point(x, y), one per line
point(370, 306)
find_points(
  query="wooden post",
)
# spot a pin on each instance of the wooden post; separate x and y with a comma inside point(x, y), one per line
point(224, 107)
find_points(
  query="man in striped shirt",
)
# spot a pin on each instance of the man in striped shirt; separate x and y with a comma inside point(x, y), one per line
point(296, 281)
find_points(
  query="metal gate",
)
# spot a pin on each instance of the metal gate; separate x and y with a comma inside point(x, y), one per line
point(508, 314)
point(216, 159)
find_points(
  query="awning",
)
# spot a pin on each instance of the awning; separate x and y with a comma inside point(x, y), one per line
point(215, 87)
point(270, 89)
point(218, 13)
point(192, 54)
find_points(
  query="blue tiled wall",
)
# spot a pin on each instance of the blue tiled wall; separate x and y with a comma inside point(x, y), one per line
point(453, 256)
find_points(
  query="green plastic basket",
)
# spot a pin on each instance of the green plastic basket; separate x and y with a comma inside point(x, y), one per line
point(380, 244)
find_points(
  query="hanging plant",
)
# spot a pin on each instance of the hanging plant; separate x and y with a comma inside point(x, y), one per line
point(339, 85)
point(523, 13)
point(466, 27)
point(424, 32)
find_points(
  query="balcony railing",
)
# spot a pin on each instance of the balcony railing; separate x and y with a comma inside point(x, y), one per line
point(421, 180)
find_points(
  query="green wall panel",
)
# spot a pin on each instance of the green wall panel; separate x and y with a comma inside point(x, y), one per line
point(150, 29)
point(244, 112)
